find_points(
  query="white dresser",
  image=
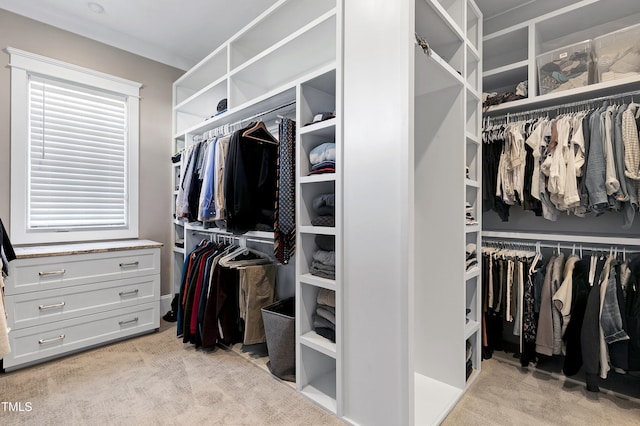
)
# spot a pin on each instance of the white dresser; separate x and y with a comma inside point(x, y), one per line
point(64, 298)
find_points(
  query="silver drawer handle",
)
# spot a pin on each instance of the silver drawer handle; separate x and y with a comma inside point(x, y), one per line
point(56, 305)
point(128, 321)
point(53, 339)
point(126, 265)
point(59, 272)
point(127, 293)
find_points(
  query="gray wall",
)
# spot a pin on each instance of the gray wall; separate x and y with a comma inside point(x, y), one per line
point(155, 116)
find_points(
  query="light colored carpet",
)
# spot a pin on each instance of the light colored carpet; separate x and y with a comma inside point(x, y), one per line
point(158, 380)
point(155, 380)
point(505, 394)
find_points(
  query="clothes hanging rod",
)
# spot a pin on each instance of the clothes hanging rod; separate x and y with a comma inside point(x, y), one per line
point(556, 108)
point(227, 128)
point(573, 247)
point(585, 239)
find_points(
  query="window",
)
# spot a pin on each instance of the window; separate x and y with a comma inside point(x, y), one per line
point(74, 145)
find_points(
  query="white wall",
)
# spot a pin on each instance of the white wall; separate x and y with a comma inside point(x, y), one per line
point(155, 116)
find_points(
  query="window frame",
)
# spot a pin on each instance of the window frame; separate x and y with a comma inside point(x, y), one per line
point(23, 65)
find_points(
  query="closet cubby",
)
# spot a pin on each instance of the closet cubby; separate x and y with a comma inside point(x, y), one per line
point(474, 26)
point(308, 337)
point(212, 68)
point(309, 193)
point(444, 35)
point(292, 58)
point(512, 43)
point(275, 25)
point(317, 377)
point(451, 12)
point(473, 74)
point(310, 138)
point(317, 96)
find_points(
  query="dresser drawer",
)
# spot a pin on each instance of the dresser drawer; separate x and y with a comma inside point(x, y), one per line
point(46, 341)
point(52, 272)
point(40, 307)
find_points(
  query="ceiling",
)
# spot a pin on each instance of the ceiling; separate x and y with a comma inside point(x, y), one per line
point(175, 32)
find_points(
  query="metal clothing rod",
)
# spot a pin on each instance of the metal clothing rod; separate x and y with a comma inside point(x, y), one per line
point(576, 246)
point(545, 110)
point(231, 127)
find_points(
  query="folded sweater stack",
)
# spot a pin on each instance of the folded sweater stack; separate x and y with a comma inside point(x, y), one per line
point(324, 319)
point(323, 159)
point(324, 209)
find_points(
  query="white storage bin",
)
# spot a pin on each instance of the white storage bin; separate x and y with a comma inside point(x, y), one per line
point(618, 54)
point(565, 68)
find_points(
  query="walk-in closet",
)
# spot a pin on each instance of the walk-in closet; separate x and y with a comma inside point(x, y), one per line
point(320, 212)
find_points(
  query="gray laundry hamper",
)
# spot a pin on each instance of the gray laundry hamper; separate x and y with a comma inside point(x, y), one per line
point(280, 331)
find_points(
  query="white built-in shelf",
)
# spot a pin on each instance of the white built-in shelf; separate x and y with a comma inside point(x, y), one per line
point(272, 99)
point(472, 138)
point(253, 234)
point(313, 46)
point(205, 101)
point(577, 94)
point(473, 273)
point(318, 230)
point(175, 192)
point(473, 92)
point(322, 391)
point(178, 250)
point(434, 400)
point(324, 177)
point(211, 68)
point(471, 228)
point(475, 55)
point(275, 24)
point(472, 183)
point(451, 13)
point(470, 328)
point(320, 128)
point(314, 341)
point(179, 223)
point(569, 238)
point(316, 281)
point(434, 74)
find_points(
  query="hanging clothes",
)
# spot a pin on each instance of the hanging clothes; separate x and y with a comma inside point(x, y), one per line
point(250, 183)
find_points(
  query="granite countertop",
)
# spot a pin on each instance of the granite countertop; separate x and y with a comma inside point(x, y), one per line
point(81, 248)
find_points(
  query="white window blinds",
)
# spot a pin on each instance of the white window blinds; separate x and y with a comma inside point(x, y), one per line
point(77, 157)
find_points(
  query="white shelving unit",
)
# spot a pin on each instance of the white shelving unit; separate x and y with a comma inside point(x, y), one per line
point(318, 359)
point(288, 55)
point(513, 40)
point(405, 235)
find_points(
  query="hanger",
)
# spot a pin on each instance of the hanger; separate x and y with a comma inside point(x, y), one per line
point(260, 133)
point(230, 260)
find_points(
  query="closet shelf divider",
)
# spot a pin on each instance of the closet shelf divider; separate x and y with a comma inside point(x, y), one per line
point(318, 230)
point(321, 344)
point(311, 128)
point(325, 177)
point(318, 281)
point(470, 328)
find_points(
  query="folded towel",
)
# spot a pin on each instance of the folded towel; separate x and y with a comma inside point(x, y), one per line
point(313, 270)
point(318, 266)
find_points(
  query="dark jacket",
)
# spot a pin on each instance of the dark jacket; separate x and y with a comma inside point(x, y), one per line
point(580, 295)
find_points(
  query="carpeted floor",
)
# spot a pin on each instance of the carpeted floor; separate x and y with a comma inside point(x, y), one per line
point(154, 380)
point(507, 395)
point(158, 380)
